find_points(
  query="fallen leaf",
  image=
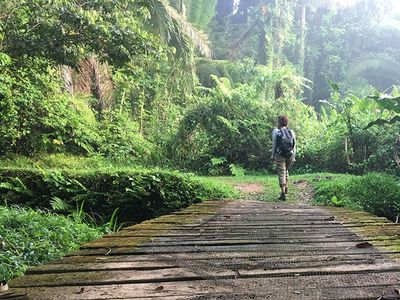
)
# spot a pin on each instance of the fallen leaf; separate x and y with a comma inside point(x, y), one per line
point(3, 287)
point(297, 292)
point(364, 245)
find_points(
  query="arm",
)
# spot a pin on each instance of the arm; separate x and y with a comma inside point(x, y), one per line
point(273, 144)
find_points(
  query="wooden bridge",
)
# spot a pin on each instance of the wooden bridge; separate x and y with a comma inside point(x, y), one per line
point(230, 250)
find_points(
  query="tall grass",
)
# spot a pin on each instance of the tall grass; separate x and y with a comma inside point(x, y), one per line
point(30, 237)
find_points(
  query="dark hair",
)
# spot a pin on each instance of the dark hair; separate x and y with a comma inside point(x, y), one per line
point(283, 121)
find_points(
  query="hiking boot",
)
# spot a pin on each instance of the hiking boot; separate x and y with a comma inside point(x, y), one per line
point(282, 197)
point(286, 190)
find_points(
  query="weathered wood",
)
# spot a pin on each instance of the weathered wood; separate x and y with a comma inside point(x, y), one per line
point(230, 250)
point(186, 274)
point(375, 284)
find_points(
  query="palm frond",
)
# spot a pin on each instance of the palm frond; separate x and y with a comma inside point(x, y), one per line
point(67, 74)
point(173, 26)
point(200, 12)
point(59, 205)
point(94, 78)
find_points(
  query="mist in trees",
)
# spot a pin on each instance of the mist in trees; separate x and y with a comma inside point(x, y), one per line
point(185, 83)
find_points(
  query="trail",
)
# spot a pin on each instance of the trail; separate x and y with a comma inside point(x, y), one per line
point(230, 250)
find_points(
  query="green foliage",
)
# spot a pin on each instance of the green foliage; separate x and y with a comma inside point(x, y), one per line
point(65, 32)
point(375, 193)
point(390, 104)
point(228, 125)
point(200, 12)
point(334, 190)
point(346, 120)
point(236, 170)
point(120, 139)
point(36, 117)
point(235, 120)
point(139, 194)
point(29, 238)
point(378, 194)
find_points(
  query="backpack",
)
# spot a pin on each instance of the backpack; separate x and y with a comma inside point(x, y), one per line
point(285, 142)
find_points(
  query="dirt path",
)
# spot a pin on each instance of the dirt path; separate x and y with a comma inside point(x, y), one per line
point(228, 250)
point(304, 192)
point(250, 188)
point(300, 190)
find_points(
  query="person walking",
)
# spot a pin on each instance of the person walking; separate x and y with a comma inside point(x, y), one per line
point(283, 152)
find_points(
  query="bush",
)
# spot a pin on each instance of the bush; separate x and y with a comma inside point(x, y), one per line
point(333, 190)
point(233, 126)
point(120, 139)
point(139, 194)
point(378, 194)
point(29, 237)
point(375, 193)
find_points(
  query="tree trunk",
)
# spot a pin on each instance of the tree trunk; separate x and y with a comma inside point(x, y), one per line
point(315, 58)
point(301, 36)
point(262, 47)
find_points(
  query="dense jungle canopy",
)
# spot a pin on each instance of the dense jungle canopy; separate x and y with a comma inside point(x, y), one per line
point(102, 100)
point(197, 84)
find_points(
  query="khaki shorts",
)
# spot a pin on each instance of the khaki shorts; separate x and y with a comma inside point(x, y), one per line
point(282, 167)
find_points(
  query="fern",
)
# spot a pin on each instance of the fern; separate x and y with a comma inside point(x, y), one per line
point(59, 205)
point(216, 161)
point(236, 170)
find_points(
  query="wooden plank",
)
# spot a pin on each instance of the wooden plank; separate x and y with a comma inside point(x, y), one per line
point(246, 249)
point(318, 286)
point(190, 273)
point(232, 263)
point(251, 256)
point(278, 249)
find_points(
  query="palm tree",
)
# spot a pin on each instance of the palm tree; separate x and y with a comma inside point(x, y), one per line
point(175, 29)
point(93, 78)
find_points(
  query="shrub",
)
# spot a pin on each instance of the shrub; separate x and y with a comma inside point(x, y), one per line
point(378, 194)
point(120, 139)
point(139, 194)
point(29, 237)
point(333, 190)
point(375, 193)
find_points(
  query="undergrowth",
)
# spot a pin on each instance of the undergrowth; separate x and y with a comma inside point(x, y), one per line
point(138, 193)
point(375, 193)
point(29, 237)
